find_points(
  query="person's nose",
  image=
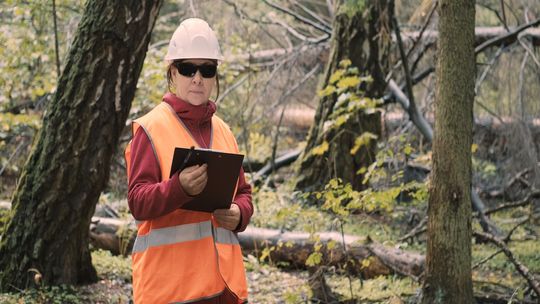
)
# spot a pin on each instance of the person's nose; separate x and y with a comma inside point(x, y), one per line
point(197, 78)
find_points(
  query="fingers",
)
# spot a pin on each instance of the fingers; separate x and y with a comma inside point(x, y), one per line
point(228, 218)
point(229, 223)
point(193, 179)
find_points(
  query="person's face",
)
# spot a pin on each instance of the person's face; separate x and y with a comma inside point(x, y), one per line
point(194, 89)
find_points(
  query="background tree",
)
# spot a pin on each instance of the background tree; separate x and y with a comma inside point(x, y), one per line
point(448, 274)
point(70, 163)
point(361, 33)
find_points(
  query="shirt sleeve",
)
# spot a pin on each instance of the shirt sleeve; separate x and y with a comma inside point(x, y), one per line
point(148, 196)
point(243, 200)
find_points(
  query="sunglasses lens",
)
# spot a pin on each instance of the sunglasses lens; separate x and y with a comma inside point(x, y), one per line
point(208, 71)
point(189, 69)
point(186, 69)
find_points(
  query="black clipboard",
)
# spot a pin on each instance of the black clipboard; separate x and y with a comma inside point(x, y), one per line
point(223, 169)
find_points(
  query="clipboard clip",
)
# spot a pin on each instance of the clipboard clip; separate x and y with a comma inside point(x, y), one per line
point(186, 160)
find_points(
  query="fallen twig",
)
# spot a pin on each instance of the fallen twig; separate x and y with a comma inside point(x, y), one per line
point(524, 271)
point(522, 202)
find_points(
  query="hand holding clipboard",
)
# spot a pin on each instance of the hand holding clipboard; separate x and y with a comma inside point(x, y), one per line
point(222, 171)
point(193, 179)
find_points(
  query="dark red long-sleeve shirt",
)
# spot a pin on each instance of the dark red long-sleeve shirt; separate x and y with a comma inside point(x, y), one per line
point(148, 196)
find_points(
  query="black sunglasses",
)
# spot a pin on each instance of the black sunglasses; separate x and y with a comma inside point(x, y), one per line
point(189, 69)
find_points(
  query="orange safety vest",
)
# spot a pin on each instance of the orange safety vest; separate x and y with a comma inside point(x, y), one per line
point(183, 256)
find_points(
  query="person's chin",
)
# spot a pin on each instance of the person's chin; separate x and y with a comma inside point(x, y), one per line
point(197, 101)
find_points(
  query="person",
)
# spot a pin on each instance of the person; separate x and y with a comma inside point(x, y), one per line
point(183, 256)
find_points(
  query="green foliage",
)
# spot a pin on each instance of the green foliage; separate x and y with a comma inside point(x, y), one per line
point(278, 211)
point(352, 7)
point(484, 169)
point(112, 267)
point(62, 294)
point(362, 140)
point(21, 124)
point(320, 149)
point(260, 147)
point(376, 290)
point(28, 67)
point(345, 85)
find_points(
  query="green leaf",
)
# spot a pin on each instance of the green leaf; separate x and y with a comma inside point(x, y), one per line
point(336, 76)
point(345, 63)
point(348, 82)
point(320, 149)
point(331, 245)
point(361, 141)
point(314, 258)
point(341, 120)
point(329, 90)
point(407, 150)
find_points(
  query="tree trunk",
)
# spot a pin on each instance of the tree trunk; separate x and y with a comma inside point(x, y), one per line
point(363, 36)
point(69, 164)
point(448, 274)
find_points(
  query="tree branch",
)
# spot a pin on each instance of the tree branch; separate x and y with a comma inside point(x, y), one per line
point(321, 27)
point(522, 202)
point(56, 40)
point(524, 271)
point(506, 39)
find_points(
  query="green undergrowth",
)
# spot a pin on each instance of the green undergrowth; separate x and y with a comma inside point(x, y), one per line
point(280, 209)
point(114, 286)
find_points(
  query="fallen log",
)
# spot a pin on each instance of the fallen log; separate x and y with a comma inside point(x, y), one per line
point(359, 256)
point(282, 161)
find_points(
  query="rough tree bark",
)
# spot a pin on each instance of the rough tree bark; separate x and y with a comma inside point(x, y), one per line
point(448, 261)
point(363, 36)
point(69, 165)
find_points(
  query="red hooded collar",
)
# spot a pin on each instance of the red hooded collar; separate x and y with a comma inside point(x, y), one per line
point(188, 112)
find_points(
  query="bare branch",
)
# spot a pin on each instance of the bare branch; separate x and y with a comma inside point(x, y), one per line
point(505, 39)
point(504, 15)
point(418, 229)
point(405, 64)
point(527, 48)
point(486, 70)
point(424, 27)
point(507, 238)
point(298, 35)
point(496, 12)
point(232, 88)
point(330, 5)
point(416, 117)
point(487, 259)
point(520, 86)
point(56, 50)
point(192, 8)
point(313, 15)
point(524, 271)
point(522, 202)
point(17, 150)
point(319, 26)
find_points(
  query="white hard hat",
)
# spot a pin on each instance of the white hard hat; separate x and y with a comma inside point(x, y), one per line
point(194, 39)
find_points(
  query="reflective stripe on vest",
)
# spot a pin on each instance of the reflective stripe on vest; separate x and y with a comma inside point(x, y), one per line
point(183, 256)
point(183, 233)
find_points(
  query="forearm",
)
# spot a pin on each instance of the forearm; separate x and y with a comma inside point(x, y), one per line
point(148, 196)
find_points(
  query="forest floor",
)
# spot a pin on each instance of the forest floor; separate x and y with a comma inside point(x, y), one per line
point(270, 282)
